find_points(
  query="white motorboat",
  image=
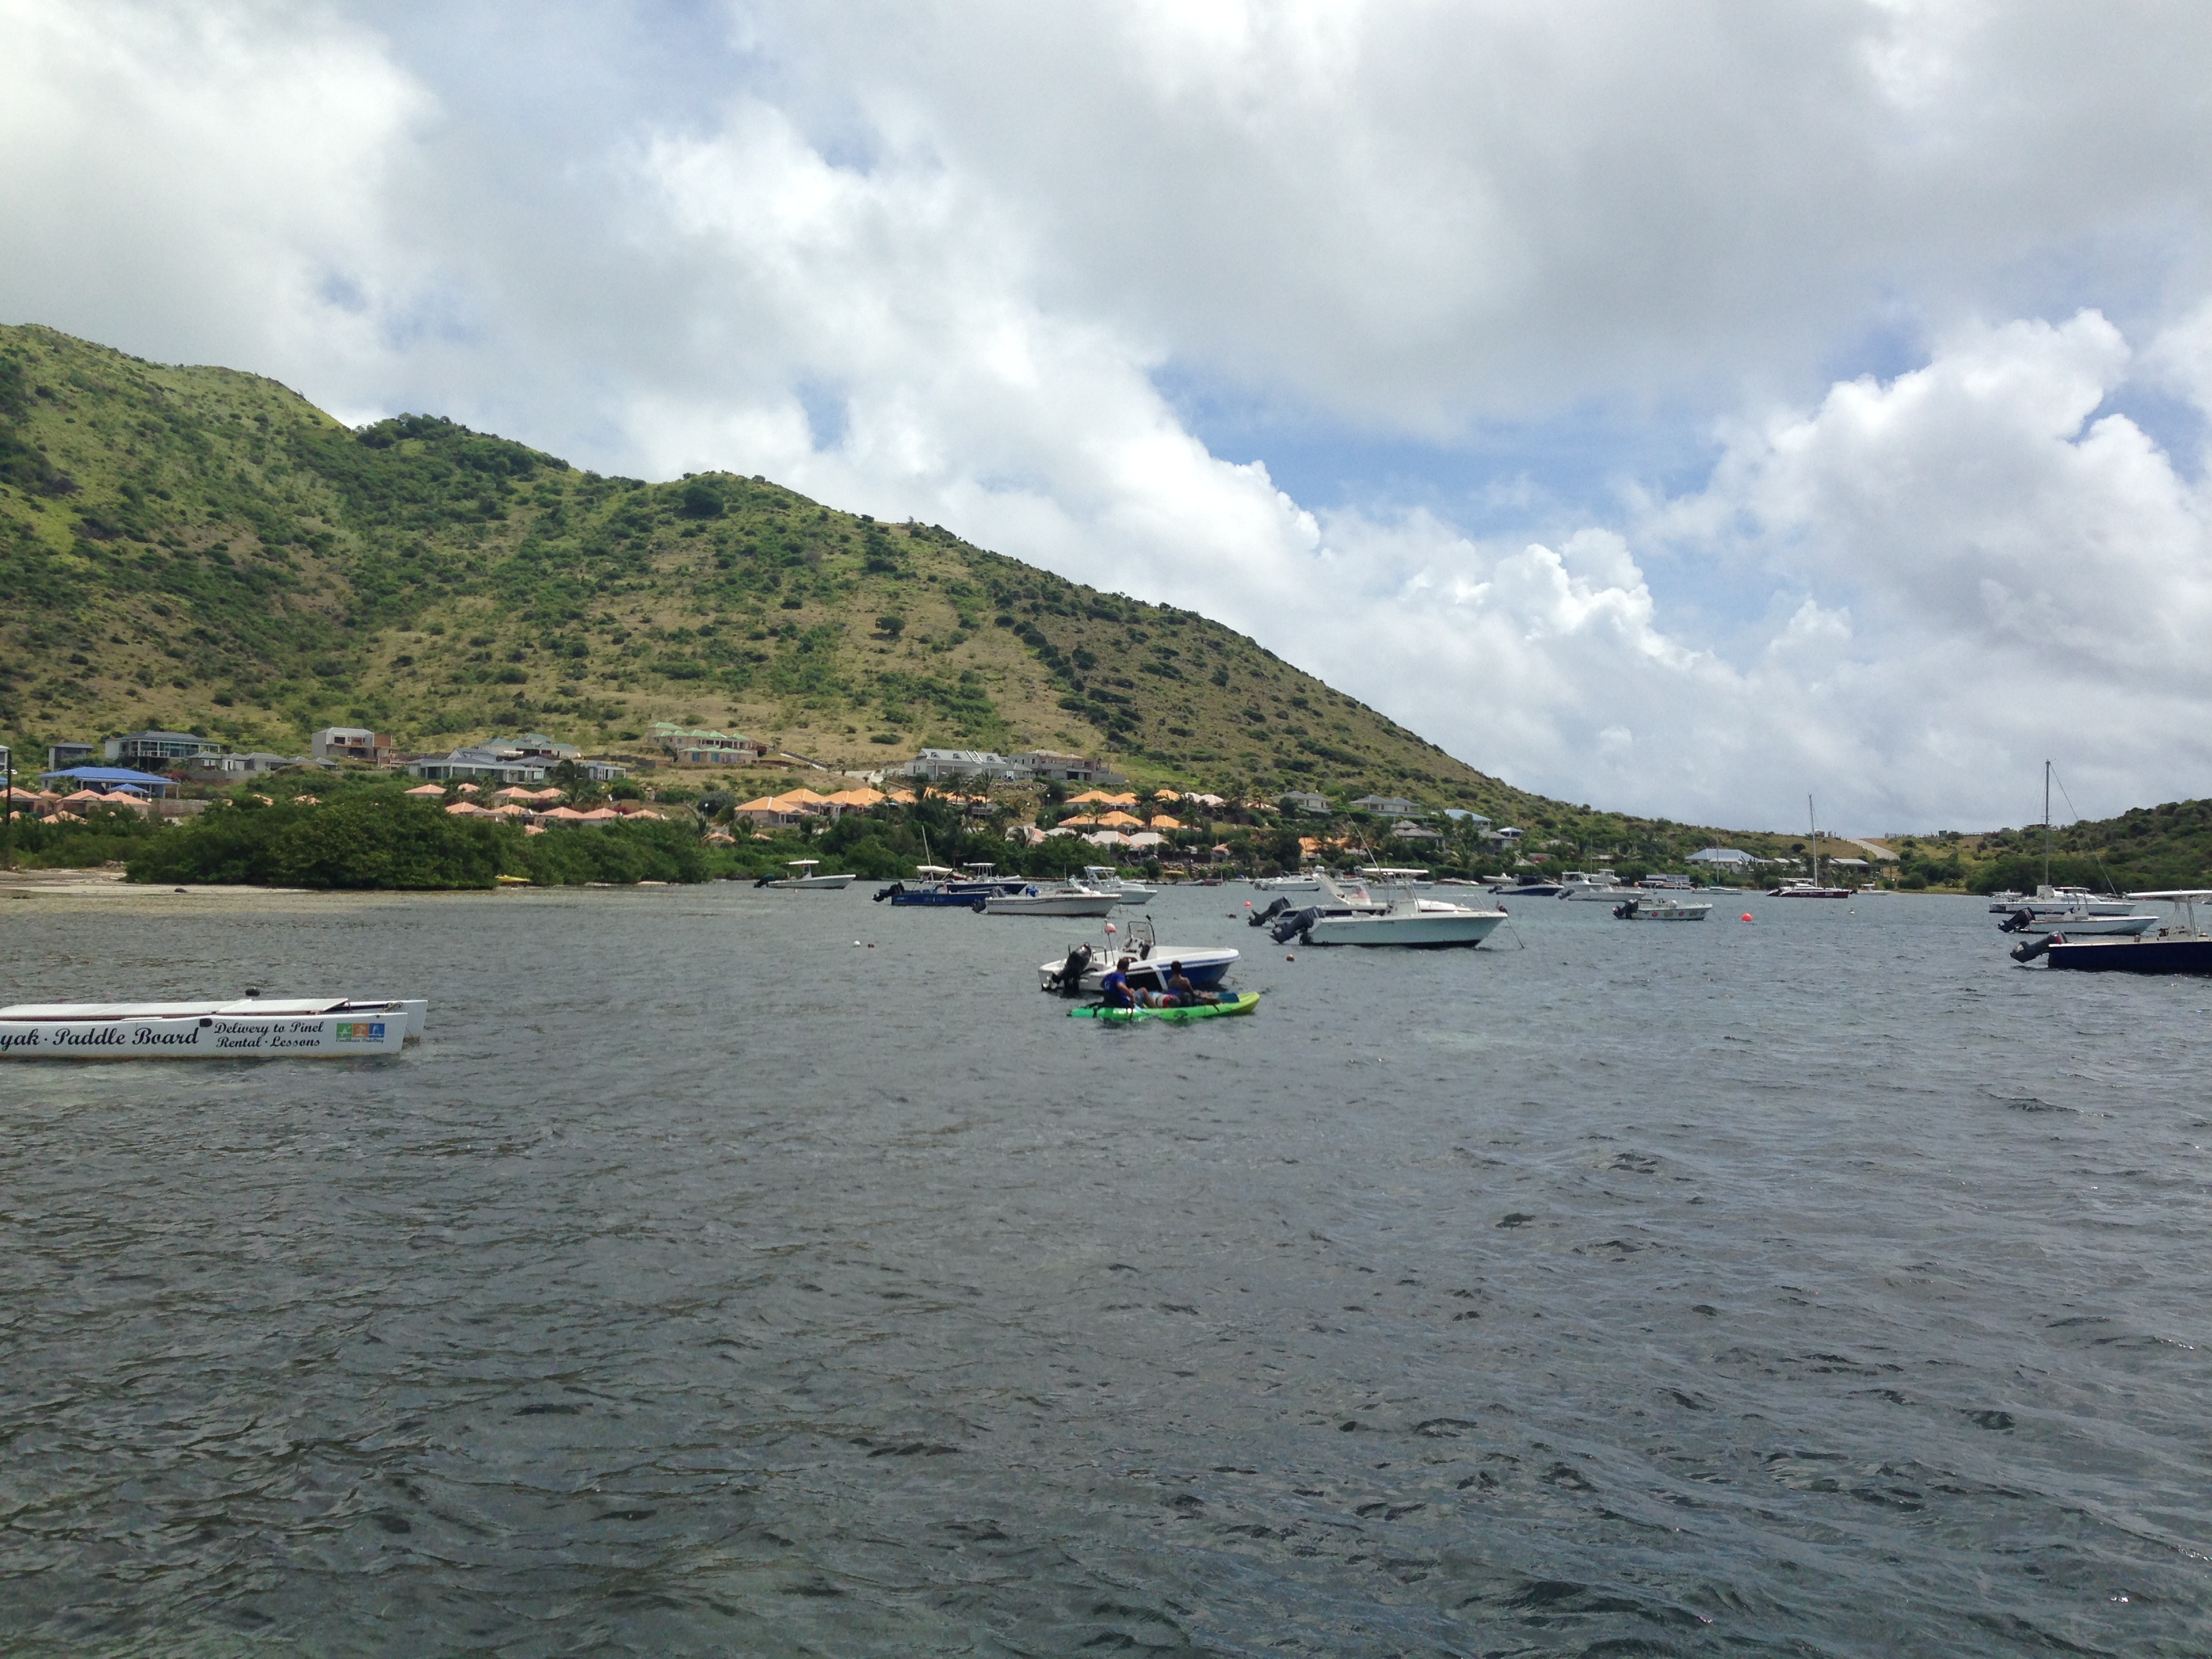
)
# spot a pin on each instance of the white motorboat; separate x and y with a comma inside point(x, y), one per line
point(1349, 915)
point(1105, 878)
point(1069, 900)
point(1081, 972)
point(1385, 875)
point(803, 876)
point(1661, 907)
point(252, 1028)
point(1307, 881)
point(1601, 888)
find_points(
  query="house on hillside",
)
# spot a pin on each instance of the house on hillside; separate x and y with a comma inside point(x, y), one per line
point(1460, 815)
point(1405, 830)
point(1049, 766)
point(62, 754)
point(482, 761)
point(160, 748)
point(536, 745)
point(258, 760)
point(1727, 858)
point(352, 742)
point(1388, 807)
point(936, 765)
point(699, 746)
point(1306, 802)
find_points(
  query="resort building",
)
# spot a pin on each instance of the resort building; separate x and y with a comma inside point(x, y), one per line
point(1726, 857)
point(249, 764)
point(59, 755)
point(483, 762)
point(1049, 766)
point(1306, 802)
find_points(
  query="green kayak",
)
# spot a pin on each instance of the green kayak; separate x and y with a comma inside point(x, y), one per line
point(1243, 1005)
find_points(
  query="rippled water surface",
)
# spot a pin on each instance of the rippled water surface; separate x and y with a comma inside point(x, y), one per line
point(709, 1282)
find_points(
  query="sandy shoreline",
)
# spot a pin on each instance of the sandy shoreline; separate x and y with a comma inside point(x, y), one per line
point(106, 889)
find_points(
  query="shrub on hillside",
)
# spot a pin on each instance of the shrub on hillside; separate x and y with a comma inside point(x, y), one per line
point(646, 850)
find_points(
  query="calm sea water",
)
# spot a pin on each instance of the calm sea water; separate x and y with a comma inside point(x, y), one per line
point(708, 1282)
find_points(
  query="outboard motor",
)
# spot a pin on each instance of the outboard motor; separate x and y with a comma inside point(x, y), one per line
point(1295, 925)
point(2016, 921)
point(1626, 911)
point(1068, 980)
point(2029, 949)
point(891, 892)
point(762, 882)
point(1260, 918)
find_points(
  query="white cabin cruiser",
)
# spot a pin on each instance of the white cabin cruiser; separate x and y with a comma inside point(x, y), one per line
point(1308, 881)
point(252, 1027)
point(803, 876)
point(1105, 878)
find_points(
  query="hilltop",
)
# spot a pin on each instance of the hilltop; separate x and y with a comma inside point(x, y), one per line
point(202, 549)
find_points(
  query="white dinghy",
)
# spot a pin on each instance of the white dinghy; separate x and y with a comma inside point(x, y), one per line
point(253, 1028)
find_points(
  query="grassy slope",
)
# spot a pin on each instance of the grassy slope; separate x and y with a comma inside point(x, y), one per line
point(202, 549)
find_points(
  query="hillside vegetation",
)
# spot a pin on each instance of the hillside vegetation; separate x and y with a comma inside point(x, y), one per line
point(199, 549)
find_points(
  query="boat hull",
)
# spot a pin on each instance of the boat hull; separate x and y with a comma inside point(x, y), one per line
point(823, 884)
point(378, 1029)
point(2092, 927)
point(1243, 1005)
point(2135, 956)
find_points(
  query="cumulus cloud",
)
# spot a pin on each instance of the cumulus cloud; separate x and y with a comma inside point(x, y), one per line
point(941, 262)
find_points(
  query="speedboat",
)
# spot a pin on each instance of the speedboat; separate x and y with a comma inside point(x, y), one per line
point(252, 1028)
point(1105, 878)
point(803, 876)
point(1085, 966)
point(1348, 915)
point(1524, 887)
point(1802, 888)
point(1307, 881)
point(938, 888)
point(2180, 947)
point(1602, 888)
point(1070, 899)
point(1656, 907)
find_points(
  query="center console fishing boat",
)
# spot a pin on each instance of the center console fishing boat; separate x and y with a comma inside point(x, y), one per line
point(1661, 907)
point(1105, 878)
point(1084, 967)
point(2179, 947)
point(1067, 899)
point(803, 876)
point(1349, 914)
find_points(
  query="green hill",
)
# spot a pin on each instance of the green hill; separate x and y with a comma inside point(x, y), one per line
point(199, 549)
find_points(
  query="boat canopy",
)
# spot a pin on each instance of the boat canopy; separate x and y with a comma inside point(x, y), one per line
point(2179, 895)
point(932, 870)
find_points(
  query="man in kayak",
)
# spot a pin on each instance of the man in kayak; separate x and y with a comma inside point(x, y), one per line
point(1115, 989)
point(1180, 993)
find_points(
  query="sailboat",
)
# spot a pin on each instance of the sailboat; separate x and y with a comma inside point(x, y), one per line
point(1810, 888)
point(2074, 911)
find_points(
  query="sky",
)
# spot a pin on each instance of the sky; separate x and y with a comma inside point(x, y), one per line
point(1679, 409)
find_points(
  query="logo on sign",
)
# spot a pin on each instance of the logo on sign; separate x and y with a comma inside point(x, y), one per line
point(364, 1030)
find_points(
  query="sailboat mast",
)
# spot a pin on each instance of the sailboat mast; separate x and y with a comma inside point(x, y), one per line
point(2046, 823)
point(1813, 830)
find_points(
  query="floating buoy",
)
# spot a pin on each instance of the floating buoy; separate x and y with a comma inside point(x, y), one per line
point(1747, 915)
point(1290, 958)
point(856, 945)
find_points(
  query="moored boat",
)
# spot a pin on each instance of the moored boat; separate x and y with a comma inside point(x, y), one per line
point(803, 877)
point(2181, 947)
point(1601, 887)
point(1068, 900)
point(936, 887)
point(1105, 878)
point(252, 1027)
point(1150, 964)
point(1349, 915)
point(1657, 907)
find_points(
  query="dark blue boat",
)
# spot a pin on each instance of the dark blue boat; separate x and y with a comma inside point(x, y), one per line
point(940, 889)
point(2180, 949)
